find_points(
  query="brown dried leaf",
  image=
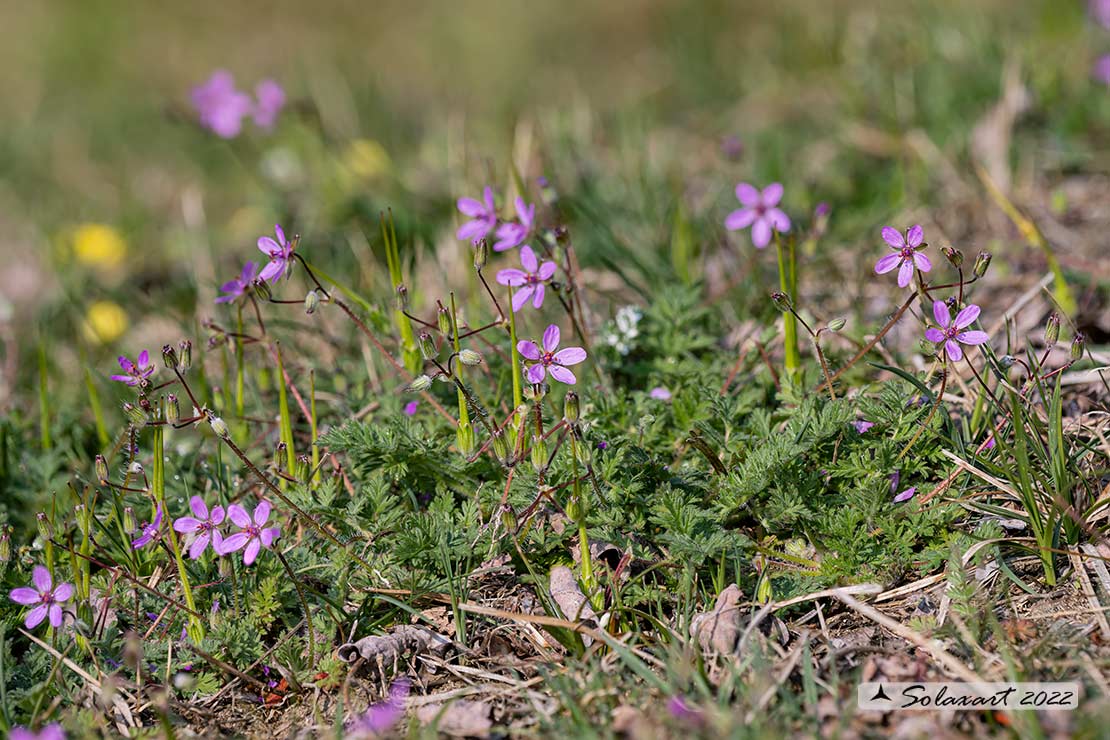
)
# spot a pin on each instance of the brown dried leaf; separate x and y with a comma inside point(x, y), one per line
point(718, 630)
point(572, 602)
point(458, 719)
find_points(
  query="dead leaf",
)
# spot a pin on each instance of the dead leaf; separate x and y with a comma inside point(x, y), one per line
point(458, 719)
point(718, 630)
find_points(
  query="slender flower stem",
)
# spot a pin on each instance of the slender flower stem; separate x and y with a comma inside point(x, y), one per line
point(787, 284)
point(929, 418)
point(874, 340)
point(304, 605)
point(518, 397)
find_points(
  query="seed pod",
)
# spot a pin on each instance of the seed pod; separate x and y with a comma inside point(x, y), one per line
point(539, 453)
point(134, 414)
point(419, 384)
point(501, 447)
point(443, 320)
point(46, 530)
point(219, 426)
point(100, 467)
point(469, 357)
point(508, 518)
point(169, 356)
point(464, 438)
point(481, 254)
point(1052, 330)
point(173, 410)
point(954, 256)
point(401, 300)
point(575, 509)
point(5, 546)
point(311, 302)
point(427, 346)
point(982, 262)
point(1077, 346)
point(279, 456)
point(186, 360)
point(781, 301)
point(571, 408)
point(262, 288)
point(837, 324)
point(129, 523)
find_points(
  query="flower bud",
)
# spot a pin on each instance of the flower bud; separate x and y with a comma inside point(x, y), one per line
point(954, 256)
point(1052, 330)
point(173, 409)
point(781, 301)
point(501, 447)
point(837, 324)
point(1006, 361)
point(464, 438)
point(134, 414)
point(469, 357)
point(262, 288)
point(186, 349)
point(279, 456)
point(401, 300)
point(311, 302)
point(443, 320)
point(539, 453)
point(5, 546)
point(571, 408)
point(562, 235)
point(100, 467)
point(129, 523)
point(135, 468)
point(821, 219)
point(535, 391)
point(576, 509)
point(982, 262)
point(46, 530)
point(508, 518)
point(419, 384)
point(225, 568)
point(219, 426)
point(481, 254)
point(1077, 346)
point(426, 345)
point(169, 356)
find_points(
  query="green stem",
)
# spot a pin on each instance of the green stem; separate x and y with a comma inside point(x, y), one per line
point(312, 427)
point(44, 401)
point(788, 279)
point(464, 434)
point(409, 352)
point(286, 420)
point(304, 605)
point(98, 411)
point(518, 396)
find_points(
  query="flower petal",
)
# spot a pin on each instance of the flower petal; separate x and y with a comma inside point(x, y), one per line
point(280, 233)
point(239, 516)
point(232, 543)
point(536, 374)
point(967, 317)
point(268, 246)
point(261, 513)
point(905, 495)
point(562, 374)
point(24, 595)
point(915, 235)
point(952, 349)
point(186, 524)
point(470, 207)
point(144, 359)
point(272, 271)
point(528, 349)
point(551, 338)
point(200, 509)
point(905, 273)
point(934, 335)
point(887, 263)
point(40, 576)
point(252, 551)
point(893, 237)
point(780, 222)
point(217, 515)
point(740, 219)
point(570, 356)
point(512, 276)
point(528, 259)
point(64, 592)
point(520, 298)
point(55, 616)
point(35, 616)
point(473, 230)
point(125, 364)
point(747, 195)
point(772, 194)
point(940, 313)
point(973, 337)
point(761, 233)
point(268, 536)
point(197, 548)
point(923, 263)
point(546, 271)
point(537, 302)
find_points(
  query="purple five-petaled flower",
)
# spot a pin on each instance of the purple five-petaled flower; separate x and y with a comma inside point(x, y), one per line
point(137, 373)
point(381, 717)
point(411, 407)
point(906, 255)
point(233, 289)
point(270, 99)
point(552, 359)
point(530, 280)
point(52, 731)
point(220, 107)
point(513, 233)
point(953, 333)
point(44, 596)
point(483, 216)
point(862, 425)
point(760, 211)
point(149, 531)
point(201, 528)
point(659, 393)
point(905, 495)
point(280, 253)
point(254, 535)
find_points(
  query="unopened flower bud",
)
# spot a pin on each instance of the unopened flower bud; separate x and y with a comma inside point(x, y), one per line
point(46, 530)
point(262, 288)
point(464, 438)
point(420, 384)
point(219, 426)
point(535, 391)
point(134, 414)
point(279, 456)
point(443, 320)
point(1006, 361)
point(954, 256)
point(501, 447)
point(135, 468)
point(5, 546)
point(1052, 330)
point(401, 300)
point(837, 324)
point(169, 356)
point(173, 409)
point(781, 301)
point(427, 346)
point(469, 357)
point(225, 568)
point(539, 453)
point(311, 302)
point(129, 523)
point(571, 408)
point(481, 254)
point(186, 355)
point(508, 518)
point(982, 262)
point(100, 467)
point(576, 510)
point(562, 234)
point(1077, 346)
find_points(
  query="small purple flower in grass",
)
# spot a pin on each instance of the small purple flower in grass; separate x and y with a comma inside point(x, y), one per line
point(52, 731)
point(233, 289)
point(513, 233)
point(952, 332)
point(530, 280)
point(270, 100)
point(905, 495)
point(906, 255)
point(381, 717)
point(201, 528)
point(44, 596)
point(149, 531)
point(683, 711)
point(483, 215)
point(551, 359)
point(760, 211)
point(220, 107)
point(1100, 12)
point(1101, 70)
point(137, 373)
point(280, 253)
point(603, 445)
point(253, 535)
point(862, 425)
point(411, 407)
point(659, 393)
point(990, 443)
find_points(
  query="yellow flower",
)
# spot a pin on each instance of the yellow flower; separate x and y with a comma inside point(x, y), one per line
point(105, 322)
point(99, 245)
point(366, 159)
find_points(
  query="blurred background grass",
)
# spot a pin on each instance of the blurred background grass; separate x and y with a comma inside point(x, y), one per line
point(623, 105)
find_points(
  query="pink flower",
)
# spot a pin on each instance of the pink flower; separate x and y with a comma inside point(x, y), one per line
point(905, 255)
point(483, 215)
point(381, 717)
point(52, 731)
point(512, 234)
point(137, 373)
point(551, 360)
point(201, 528)
point(280, 253)
point(659, 393)
point(760, 211)
point(862, 425)
point(45, 597)
point(952, 332)
point(271, 99)
point(530, 280)
point(253, 535)
point(905, 495)
point(150, 531)
point(220, 107)
point(411, 407)
point(233, 289)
